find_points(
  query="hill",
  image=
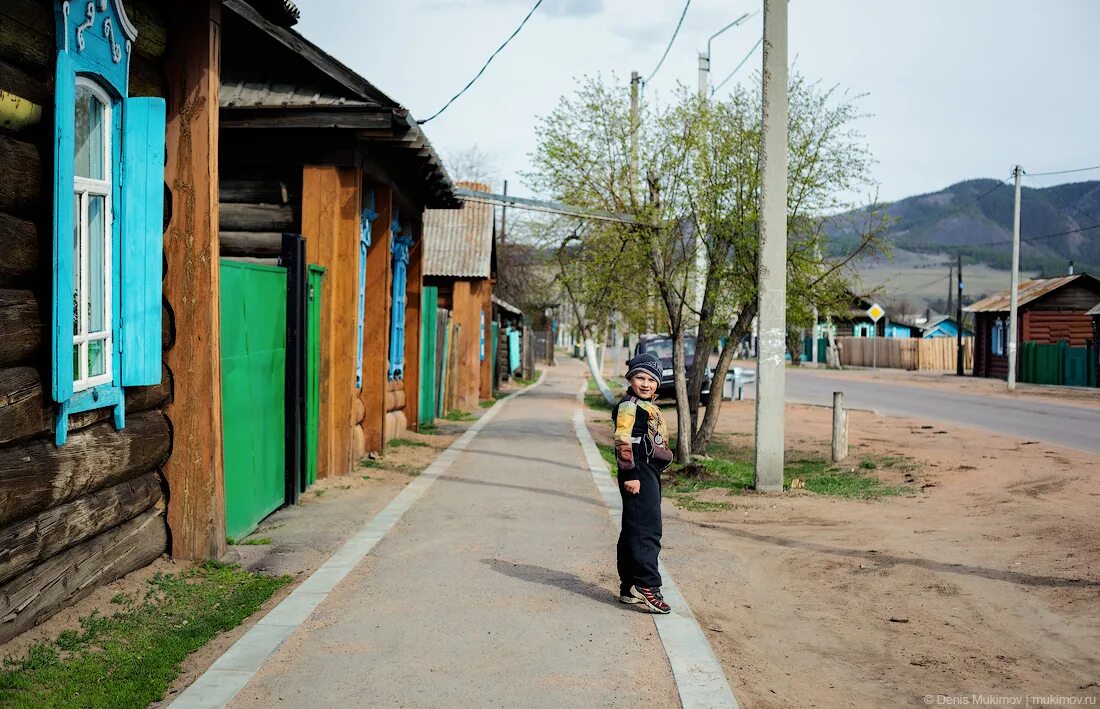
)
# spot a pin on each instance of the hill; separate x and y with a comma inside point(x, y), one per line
point(975, 218)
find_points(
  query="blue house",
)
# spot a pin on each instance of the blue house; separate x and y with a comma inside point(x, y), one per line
point(944, 326)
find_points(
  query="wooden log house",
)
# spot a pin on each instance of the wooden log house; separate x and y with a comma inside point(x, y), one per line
point(460, 266)
point(111, 332)
point(1050, 310)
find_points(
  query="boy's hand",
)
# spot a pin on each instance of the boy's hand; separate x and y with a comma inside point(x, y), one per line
point(633, 486)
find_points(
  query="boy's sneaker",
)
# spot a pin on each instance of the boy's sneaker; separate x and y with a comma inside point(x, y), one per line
point(625, 597)
point(650, 598)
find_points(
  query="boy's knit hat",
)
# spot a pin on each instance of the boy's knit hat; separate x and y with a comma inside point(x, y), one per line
point(645, 362)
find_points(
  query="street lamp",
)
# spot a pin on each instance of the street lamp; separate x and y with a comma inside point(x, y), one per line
point(704, 57)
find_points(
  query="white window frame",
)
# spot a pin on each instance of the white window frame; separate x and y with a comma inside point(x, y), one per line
point(82, 188)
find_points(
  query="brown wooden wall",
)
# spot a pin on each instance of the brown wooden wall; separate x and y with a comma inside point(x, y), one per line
point(486, 375)
point(330, 225)
point(74, 517)
point(413, 291)
point(376, 322)
point(1051, 326)
point(468, 298)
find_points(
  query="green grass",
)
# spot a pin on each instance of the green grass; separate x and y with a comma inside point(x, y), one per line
point(406, 443)
point(230, 541)
point(319, 492)
point(257, 541)
point(369, 463)
point(529, 382)
point(130, 658)
point(427, 428)
point(594, 400)
point(608, 453)
point(487, 403)
point(365, 477)
point(456, 415)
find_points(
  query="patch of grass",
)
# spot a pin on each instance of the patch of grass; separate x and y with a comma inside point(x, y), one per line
point(608, 453)
point(122, 599)
point(365, 477)
point(409, 469)
point(319, 492)
point(129, 659)
point(732, 467)
point(257, 542)
point(487, 403)
point(456, 415)
point(868, 464)
point(406, 443)
point(693, 504)
point(596, 402)
point(370, 463)
point(529, 382)
point(428, 428)
point(230, 541)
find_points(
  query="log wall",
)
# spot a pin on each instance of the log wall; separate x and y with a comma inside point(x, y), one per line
point(376, 329)
point(76, 516)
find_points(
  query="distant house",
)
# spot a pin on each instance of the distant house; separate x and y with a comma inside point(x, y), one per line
point(902, 329)
point(943, 326)
point(857, 323)
point(459, 267)
point(1051, 310)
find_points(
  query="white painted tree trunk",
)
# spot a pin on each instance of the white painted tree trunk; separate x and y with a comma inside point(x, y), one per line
point(596, 371)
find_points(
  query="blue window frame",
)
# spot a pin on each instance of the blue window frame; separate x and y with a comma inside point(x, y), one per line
point(365, 222)
point(998, 337)
point(108, 177)
point(400, 245)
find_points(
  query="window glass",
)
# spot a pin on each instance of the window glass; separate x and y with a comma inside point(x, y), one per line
point(97, 364)
point(89, 134)
point(96, 302)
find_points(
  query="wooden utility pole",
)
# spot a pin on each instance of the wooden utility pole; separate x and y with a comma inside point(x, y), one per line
point(635, 85)
point(772, 273)
point(840, 428)
point(1014, 298)
point(959, 317)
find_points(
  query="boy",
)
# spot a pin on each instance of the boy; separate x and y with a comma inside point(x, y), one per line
point(642, 453)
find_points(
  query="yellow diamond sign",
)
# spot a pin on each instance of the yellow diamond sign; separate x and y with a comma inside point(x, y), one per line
point(875, 312)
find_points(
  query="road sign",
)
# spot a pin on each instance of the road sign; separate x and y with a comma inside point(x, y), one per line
point(875, 312)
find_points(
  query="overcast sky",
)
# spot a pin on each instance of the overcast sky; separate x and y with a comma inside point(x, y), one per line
point(954, 89)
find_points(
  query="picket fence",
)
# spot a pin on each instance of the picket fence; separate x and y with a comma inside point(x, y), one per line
point(934, 353)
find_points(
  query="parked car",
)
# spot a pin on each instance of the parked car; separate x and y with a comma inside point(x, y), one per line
point(661, 346)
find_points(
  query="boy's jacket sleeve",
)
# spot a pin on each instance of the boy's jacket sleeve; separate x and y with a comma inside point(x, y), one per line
point(624, 429)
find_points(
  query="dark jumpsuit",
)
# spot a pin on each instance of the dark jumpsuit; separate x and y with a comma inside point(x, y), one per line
point(640, 539)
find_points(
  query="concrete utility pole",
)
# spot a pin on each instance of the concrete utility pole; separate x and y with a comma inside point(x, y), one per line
point(772, 273)
point(959, 318)
point(704, 57)
point(1013, 296)
point(635, 84)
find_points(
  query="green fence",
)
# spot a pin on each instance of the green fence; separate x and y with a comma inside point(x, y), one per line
point(314, 299)
point(429, 318)
point(1057, 364)
point(253, 356)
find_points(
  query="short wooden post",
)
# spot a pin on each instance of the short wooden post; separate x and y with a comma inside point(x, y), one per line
point(840, 428)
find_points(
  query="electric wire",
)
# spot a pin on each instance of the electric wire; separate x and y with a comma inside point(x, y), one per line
point(484, 66)
point(1064, 172)
point(673, 39)
point(738, 67)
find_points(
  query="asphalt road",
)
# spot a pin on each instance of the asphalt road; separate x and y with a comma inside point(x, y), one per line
point(1031, 419)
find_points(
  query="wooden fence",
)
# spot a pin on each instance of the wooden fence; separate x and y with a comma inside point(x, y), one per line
point(934, 353)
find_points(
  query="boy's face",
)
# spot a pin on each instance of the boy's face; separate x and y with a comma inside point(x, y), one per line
point(644, 385)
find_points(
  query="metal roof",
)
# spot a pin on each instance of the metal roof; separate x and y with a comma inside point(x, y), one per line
point(1094, 311)
point(507, 306)
point(292, 83)
point(1027, 292)
point(459, 242)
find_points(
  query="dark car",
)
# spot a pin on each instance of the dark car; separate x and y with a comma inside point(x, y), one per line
point(661, 345)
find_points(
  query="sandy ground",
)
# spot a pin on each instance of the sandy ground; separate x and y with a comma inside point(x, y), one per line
point(985, 579)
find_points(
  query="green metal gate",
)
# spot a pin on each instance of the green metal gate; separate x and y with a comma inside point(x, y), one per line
point(429, 316)
point(253, 357)
point(315, 291)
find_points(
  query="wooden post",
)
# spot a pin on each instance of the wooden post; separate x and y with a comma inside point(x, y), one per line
point(330, 224)
point(376, 321)
point(485, 380)
point(414, 277)
point(196, 509)
point(840, 428)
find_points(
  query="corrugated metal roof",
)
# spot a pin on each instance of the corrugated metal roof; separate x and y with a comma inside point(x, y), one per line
point(459, 242)
point(1026, 292)
point(507, 306)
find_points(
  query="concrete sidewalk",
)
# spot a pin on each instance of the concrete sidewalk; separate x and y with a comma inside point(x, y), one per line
point(496, 588)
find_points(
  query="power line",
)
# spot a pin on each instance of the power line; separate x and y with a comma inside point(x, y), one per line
point(1064, 172)
point(674, 33)
point(1040, 237)
point(1054, 196)
point(738, 67)
point(485, 66)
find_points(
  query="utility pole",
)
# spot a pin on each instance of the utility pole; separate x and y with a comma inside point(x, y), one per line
point(704, 74)
point(772, 270)
point(959, 317)
point(635, 84)
point(950, 290)
point(503, 233)
point(1013, 296)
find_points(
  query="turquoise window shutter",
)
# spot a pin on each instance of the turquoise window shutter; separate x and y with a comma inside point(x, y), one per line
point(65, 109)
point(366, 220)
point(142, 239)
point(400, 246)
